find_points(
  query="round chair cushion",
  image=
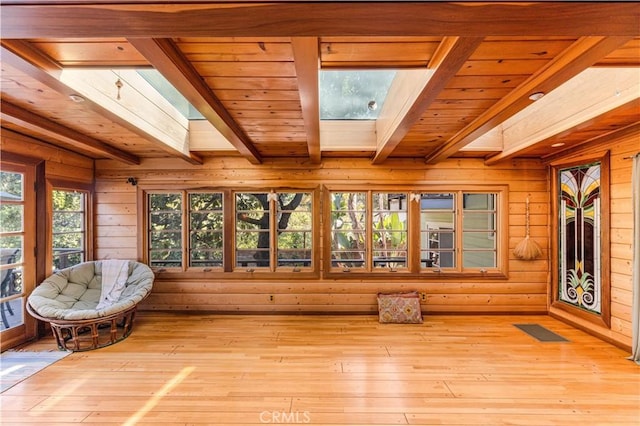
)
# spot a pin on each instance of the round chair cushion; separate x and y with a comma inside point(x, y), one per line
point(73, 293)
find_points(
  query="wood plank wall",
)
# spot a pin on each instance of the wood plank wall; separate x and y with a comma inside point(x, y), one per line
point(116, 232)
point(621, 244)
point(524, 291)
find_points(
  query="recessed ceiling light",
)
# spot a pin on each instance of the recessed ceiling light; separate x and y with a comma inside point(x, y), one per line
point(76, 98)
point(536, 96)
point(557, 145)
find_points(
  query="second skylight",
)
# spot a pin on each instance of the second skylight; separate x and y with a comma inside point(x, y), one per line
point(353, 95)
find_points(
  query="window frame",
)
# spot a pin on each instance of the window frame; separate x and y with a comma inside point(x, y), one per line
point(228, 268)
point(414, 267)
point(70, 186)
point(190, 230)
point(604, 318)
point(273, 266)
point(147, 230)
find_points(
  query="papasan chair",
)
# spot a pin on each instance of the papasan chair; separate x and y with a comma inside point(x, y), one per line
point(91, 305)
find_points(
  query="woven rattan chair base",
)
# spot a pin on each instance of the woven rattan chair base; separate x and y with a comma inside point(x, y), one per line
point(88, 334)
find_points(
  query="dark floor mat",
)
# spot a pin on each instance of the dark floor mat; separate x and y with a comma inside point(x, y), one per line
point(541, 333)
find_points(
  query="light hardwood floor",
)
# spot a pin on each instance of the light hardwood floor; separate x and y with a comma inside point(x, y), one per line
point(268, 369)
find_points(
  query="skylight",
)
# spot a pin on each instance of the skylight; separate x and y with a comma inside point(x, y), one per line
point(170, 93)
point(353, 95)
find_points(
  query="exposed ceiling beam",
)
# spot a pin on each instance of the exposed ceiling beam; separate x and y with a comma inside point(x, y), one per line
point(50, 75)
point(575, 59)
point(165, 56)
point(307, 59)
point(452, 53)
point(584, 98)
point(36, 123)
point(41, 18)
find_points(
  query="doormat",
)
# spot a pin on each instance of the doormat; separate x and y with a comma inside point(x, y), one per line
point(540, 333)
point(16, 366)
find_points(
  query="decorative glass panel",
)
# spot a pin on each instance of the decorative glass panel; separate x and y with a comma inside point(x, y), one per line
point(389, 230)
point(206, 229)
point(579, 239)
point(348, 229)
point(165, 230)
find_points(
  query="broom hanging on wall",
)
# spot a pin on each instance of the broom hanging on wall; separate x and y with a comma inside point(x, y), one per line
point(527, 249)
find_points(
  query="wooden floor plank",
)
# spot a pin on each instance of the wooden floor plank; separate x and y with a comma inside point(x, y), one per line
point(189, 369)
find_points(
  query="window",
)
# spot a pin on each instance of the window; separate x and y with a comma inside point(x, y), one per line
point(295, 229)
point(17, 248)
point(348, 229)
point(479, 231)
point(253, 229)
point(269, 231)
point(12, 240)
point(416, 232)
point(69, 228)
point(437, 230)
point(456, 243)
point(353, 214)
point(367, 231)
point(165, 230)
point(206, 233)
point(353, 94)
point(389, 230)
point(273, 230)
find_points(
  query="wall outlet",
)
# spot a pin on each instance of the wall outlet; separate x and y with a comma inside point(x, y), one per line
point(423, 297)
point(272, 298)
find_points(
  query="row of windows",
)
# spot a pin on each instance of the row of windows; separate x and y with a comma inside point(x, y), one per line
point(364, 231)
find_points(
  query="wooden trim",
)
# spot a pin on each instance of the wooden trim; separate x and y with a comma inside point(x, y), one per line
point(21, 117)
point(142, 225)
point(562, 315)
point(604, 319)
point(575, 59)
point(225, 19)
point(167, 58)
point(11, 157)
point(41, 222)
point(450, 56)
point(29, 53)
point(306, 60)
point(228, 229)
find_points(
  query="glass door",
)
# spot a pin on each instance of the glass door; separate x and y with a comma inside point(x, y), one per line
point(17, 258)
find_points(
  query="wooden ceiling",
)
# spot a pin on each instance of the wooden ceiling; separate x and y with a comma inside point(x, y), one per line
point(251, 69)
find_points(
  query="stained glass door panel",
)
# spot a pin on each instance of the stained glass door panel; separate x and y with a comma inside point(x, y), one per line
point(579, 237)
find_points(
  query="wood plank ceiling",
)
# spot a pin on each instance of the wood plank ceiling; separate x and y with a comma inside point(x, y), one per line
point(251, 69)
